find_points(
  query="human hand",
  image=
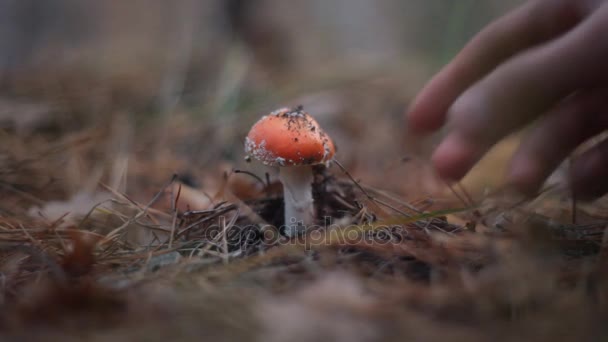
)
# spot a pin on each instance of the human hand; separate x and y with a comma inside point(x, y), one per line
point(546, 60)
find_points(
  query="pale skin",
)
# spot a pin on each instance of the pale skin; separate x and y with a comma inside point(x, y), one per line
point(545, 62)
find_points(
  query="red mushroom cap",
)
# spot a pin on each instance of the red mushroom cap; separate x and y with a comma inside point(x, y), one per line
point(289, 137)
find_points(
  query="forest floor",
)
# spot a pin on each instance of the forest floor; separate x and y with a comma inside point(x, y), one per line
point(120, 224)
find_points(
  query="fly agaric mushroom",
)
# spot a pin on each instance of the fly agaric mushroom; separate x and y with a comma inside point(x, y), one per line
point(292, 140)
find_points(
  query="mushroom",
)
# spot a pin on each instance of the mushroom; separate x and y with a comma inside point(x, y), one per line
point(292, 140)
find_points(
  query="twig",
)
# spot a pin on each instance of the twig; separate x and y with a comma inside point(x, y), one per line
point(143, 211)
point(225, 233)
point(470, 200)
point(370, 197)
point(455, 193)
point(251, 174)
point(90, 212)
point(174, 220)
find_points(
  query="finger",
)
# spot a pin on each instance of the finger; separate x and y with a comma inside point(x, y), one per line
point(527, 26)
point(588, 173)
point(555, 136)
point(522, 88)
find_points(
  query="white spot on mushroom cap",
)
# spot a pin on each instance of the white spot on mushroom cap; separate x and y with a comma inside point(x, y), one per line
point(259, 152)
point(280, 161)
point(288, 111)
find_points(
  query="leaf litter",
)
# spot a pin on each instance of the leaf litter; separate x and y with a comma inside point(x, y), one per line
point(201, 254)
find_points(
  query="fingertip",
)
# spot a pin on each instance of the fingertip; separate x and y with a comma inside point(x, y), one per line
point(422, 118)
point(454, 157)
point(525, 175)
point(428, 110)
point(587, 175)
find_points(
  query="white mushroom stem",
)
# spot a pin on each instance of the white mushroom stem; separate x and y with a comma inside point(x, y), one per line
point(297, 192)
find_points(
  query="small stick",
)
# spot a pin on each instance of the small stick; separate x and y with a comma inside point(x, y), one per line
point(174, 220)
point(252, 175)
point(370, 197)
point(466, 194)
point(460, 198)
